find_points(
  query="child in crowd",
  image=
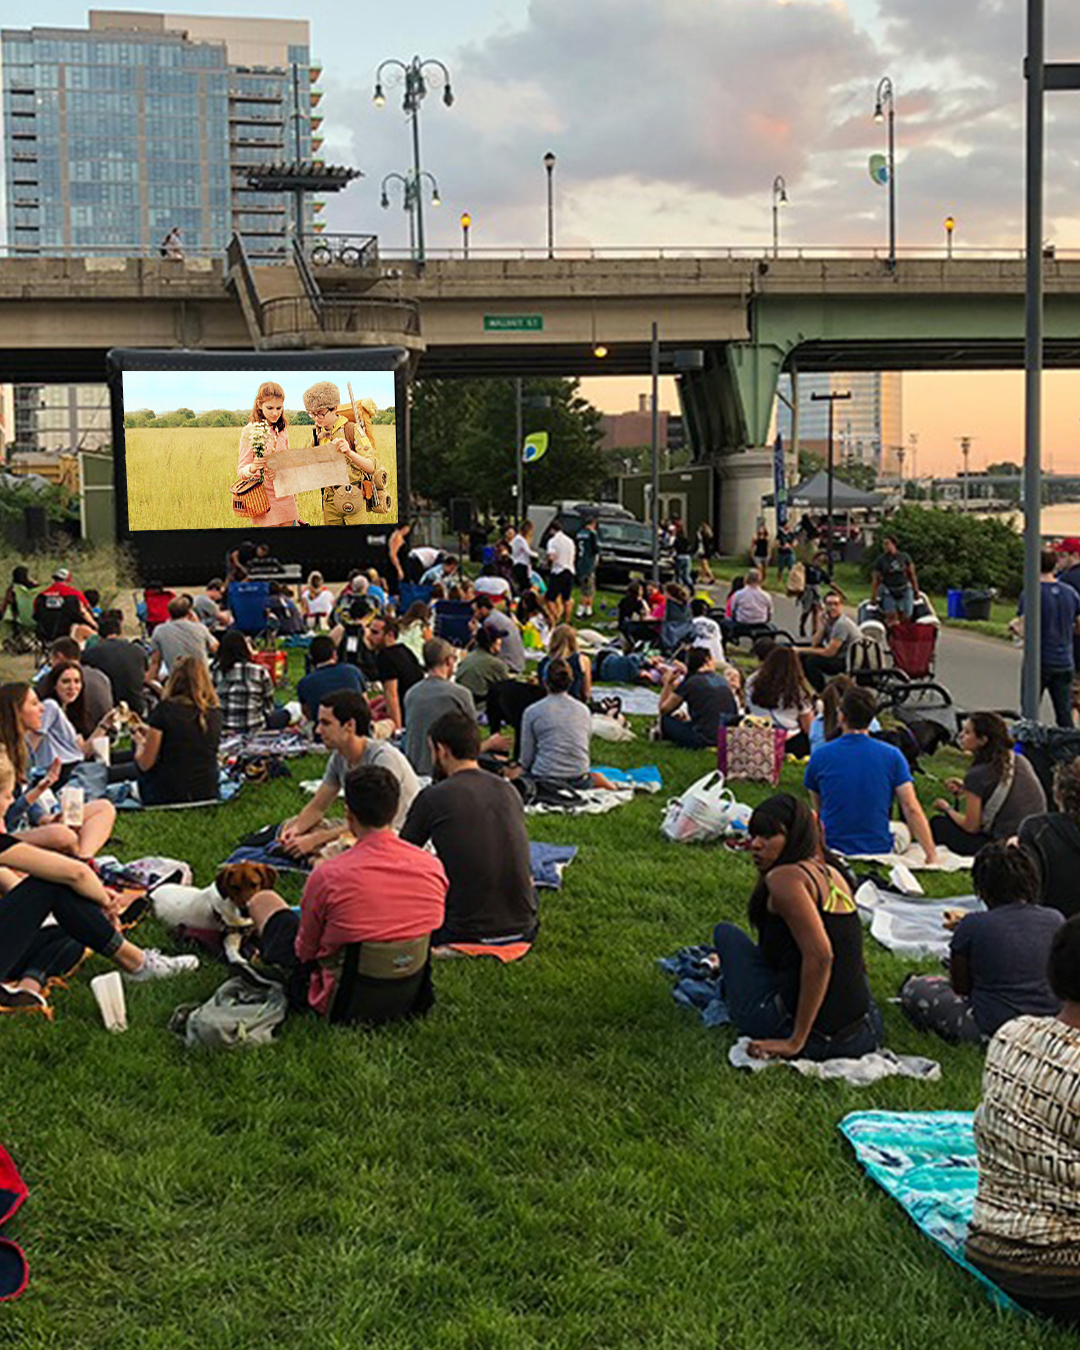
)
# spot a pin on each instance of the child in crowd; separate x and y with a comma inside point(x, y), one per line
point(267, 422)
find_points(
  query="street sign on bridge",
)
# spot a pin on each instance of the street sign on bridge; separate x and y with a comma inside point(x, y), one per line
point(513, 323)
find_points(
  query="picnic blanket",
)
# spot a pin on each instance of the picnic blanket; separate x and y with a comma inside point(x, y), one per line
point(548, 860)
point(926, 1161)
point(636, 699)
point(646, 778)
point(861, 1072)
point(14, 1271)
point(910, 926)
point(504, 950)
point(581, 802)
point(287, 743)
point(909, 854)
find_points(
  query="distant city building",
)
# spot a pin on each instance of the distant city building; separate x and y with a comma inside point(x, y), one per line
point(118, 133)
point(61, 418)
point(868, 428)
point(631, 430)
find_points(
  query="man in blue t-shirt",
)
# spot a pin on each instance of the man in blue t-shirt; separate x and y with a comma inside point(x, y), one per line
point(1059, 610)
point(853, 781)
point(325, 677)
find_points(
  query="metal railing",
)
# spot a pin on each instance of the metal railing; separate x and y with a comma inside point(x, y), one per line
point(289, 314)
point(343, 250)
point(307, 280)
point(244, 280)
point(731, 253)
point(135, 251)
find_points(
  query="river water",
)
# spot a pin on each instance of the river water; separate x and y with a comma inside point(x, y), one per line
point(1057, 521)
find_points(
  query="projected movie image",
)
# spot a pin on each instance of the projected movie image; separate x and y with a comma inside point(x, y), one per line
point(209, 450)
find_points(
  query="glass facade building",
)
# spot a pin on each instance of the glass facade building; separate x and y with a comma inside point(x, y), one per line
point(868, 428)
point(116, 134)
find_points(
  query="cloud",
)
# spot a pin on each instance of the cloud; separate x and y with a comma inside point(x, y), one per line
point(670, 118)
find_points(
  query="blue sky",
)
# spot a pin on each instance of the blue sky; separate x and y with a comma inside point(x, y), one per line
point(202, 390)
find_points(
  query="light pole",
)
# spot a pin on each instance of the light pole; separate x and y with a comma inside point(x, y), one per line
point(950, 225)
point(779, 198)
point(831, 399)
point(466, 221)
point(913, 438)
point(965, 450)
point(415, 91)
point(410, 200)
point(538, 402)
point(900, 452)
point(549, 165)
point(882, 99)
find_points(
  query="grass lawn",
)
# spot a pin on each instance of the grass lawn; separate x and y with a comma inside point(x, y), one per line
point(558, 1156)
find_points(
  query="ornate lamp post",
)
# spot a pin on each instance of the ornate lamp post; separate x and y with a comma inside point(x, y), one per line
point(779, 198)
point(416, 88)
point(883, 100)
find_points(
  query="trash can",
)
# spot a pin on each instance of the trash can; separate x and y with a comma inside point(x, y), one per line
point(954, 604)
point(976, 604)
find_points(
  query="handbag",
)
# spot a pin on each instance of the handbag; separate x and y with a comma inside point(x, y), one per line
point(249, 497)
point(752, 750)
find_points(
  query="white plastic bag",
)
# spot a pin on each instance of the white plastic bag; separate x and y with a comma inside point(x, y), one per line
point(702, 812)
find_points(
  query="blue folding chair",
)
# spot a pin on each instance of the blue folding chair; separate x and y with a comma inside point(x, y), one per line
point(452, 620)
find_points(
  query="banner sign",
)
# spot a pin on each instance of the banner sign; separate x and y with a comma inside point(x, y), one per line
point(535, 447)
point(879, 169)
point(779, 484)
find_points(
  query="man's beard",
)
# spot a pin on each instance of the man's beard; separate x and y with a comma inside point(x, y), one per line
point(438, 773)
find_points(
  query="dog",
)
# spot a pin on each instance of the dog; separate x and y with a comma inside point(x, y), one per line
point(218, 908)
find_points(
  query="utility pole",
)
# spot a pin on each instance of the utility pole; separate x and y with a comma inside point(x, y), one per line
point(831, 399)
point(913, 441)
point(965, 450)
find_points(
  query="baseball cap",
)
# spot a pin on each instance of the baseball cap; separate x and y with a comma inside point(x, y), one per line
point(1070, 545)
point(62, 573)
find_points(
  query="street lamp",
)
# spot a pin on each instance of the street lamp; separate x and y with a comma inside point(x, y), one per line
point(466, 221)
point(831, 399)
point(950, 225)
point(882, 99)
point(411, 200)
point(900, 452)
point(549, 165)
point(415, 91)
point(779, 198)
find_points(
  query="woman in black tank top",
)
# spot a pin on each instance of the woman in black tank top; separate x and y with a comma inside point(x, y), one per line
point(801, 991)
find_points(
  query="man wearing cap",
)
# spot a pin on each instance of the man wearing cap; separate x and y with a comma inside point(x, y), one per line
point(342, 505)
point(61, 585)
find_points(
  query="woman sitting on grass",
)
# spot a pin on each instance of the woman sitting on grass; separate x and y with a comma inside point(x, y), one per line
point(801, 991)
point(1000, 790)
point(704, 692)
point(36, 883)
point(1025, 1231)
point(825, 725)
point(997, 960)
point(555, 734)
point(778, 690)
point(21, 716)
point(416, 628)
point(177, 750)
point(66, 729)
point(1054, 842)
point(317, 602)
point(563, 646)
point(245, 690)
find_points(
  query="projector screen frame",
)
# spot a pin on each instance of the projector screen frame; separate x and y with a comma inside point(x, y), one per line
point(192, 556)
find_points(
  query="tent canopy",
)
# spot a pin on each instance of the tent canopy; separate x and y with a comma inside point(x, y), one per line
point(814, 493)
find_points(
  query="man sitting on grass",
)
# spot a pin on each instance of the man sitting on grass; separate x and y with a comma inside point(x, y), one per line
point(853, 781)
point(344, 725)
point(477, 823)
point(383, 893)
point(325, 676)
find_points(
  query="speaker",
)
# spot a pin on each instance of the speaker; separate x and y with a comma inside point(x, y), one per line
point(36, 524)
point(461, 513)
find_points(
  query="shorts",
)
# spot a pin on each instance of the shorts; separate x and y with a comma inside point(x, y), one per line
point(587, 586)
point(901, 603)
point(560, 585)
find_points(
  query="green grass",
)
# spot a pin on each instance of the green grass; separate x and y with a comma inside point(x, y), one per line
point(558, 1156)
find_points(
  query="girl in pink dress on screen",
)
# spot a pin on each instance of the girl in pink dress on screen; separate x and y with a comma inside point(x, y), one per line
point(267, 420)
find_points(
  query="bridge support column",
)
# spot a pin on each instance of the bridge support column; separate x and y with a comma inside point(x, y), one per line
point(745, 477)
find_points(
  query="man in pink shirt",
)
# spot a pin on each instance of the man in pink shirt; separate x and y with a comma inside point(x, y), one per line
point(382, 894)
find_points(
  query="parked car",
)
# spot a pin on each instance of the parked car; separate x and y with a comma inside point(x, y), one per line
point(626, 543)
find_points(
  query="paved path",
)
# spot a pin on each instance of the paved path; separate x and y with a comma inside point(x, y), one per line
point(980, 672)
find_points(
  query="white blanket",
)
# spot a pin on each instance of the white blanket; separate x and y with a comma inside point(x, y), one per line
point(594, 802)
point(910, 854)
point(910, 926)
point(858, 1072)
point(636, 698)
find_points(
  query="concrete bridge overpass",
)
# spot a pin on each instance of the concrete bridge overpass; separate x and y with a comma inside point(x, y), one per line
point(752, 317)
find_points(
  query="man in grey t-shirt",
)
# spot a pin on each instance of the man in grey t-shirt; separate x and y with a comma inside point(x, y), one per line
point(512, 650)
point(829, 654)
point(426, 702)
point(181, 635)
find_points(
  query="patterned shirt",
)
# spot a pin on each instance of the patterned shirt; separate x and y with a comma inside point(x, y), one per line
point(246, 695)
point(1027, 1136)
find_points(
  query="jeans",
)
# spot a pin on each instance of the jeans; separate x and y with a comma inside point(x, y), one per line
point(680, 732)
point(682, 569)
point(1059, 684)
point(752, 995)
point(25, 908)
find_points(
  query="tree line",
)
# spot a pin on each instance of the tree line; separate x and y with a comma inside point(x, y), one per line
point(223, 417)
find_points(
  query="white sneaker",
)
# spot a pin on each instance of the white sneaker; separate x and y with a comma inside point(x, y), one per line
point(157, 966)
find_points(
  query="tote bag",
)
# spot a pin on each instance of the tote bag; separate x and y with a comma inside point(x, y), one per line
point(751, 750)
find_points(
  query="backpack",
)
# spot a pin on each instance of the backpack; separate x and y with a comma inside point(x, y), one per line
point(865, 657)
point(246, 1010)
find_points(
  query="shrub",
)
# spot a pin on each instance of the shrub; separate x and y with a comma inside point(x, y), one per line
point(954, 550)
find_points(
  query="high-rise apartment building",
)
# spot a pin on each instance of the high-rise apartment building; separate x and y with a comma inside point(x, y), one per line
point(867, 428)
point(118, 133)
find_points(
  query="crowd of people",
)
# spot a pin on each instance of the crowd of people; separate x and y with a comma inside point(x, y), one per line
point(416, 835)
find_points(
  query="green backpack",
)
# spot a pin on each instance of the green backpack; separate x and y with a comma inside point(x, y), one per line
point(246, 1010)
